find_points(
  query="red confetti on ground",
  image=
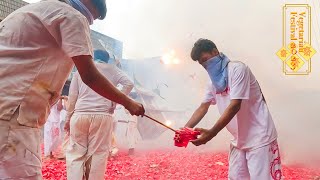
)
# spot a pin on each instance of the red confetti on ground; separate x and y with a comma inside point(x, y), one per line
point(169, 164)
point(183, 136)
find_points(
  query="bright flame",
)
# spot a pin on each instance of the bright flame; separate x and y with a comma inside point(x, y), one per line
point(166, 59)
point(176, 61)
point(170, 58)
point(168, 123)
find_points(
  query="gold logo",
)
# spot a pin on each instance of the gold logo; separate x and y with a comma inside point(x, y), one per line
point(296, 51)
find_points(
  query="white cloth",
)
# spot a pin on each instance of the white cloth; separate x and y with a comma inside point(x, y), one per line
point(83, 100)
point(88, 149)
point(52, 131)
point(37, 43)
point(262, 163)
point(252, 127)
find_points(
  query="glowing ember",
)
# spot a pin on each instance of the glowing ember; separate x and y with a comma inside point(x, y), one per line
point(183, 136)
point(176, 61)
point(168, 123)
point(166, 59)
point(170, 58)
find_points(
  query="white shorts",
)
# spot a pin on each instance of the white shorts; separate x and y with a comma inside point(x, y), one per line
point(259, 164)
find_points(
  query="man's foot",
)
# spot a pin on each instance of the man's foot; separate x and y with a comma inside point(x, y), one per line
point(49, 157)
point(114, 152)
point(131, 151)
point(61, 157)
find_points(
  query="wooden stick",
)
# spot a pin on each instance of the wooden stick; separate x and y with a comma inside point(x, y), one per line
point(161, 123)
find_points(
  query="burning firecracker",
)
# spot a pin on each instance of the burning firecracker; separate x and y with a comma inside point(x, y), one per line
point(184, 136)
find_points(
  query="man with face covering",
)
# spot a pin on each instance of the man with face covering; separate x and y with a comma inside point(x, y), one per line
point(254, 152)
point(39, 45)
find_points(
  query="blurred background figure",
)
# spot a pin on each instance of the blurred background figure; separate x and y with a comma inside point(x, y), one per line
point(132, 131)
point(64, 135)
point(52, 130)
point(123, 116)
point(114, 149)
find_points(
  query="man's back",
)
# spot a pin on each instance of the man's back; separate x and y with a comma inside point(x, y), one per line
point(36, 45)
point(88, 101)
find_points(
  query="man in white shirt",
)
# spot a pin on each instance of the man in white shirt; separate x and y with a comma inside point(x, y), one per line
point(254, 152)
point(39, 45)
point(91, 117)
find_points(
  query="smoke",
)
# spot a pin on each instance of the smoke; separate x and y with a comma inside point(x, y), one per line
point(247, 30)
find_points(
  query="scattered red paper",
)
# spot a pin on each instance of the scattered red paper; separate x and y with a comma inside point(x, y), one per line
point(171, 165)
point(183, 136)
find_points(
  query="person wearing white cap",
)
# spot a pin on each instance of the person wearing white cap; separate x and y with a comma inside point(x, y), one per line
point(39, 45)
point(89, 120)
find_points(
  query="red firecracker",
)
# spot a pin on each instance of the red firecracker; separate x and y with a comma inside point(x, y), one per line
point(183, 136)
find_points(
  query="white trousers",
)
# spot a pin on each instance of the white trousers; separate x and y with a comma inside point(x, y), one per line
point(52, 137)
point(88, 149)
point(131, 134)
point(20, 154)
point(259, 164)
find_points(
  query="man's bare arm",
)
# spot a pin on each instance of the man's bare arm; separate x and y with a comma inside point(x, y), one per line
point(226, 117)
point(198, 115)
point(96, 81)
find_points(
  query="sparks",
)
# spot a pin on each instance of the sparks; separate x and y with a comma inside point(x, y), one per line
point(170, 58)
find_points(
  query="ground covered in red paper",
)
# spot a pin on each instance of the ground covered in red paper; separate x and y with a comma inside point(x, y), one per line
point(177, 164)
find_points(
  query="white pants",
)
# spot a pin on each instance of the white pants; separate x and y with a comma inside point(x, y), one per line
point(131, 134)
point(20, 154)
point(88, 149)
point(258, 164)
point(52, 137)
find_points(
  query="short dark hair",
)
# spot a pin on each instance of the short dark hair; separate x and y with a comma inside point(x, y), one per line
point(101, 7)
point(101, 55)
point(202, 45)
point(133, 95)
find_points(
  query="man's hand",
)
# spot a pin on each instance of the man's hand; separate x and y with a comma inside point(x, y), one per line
point(228, 114)
point(64, 98)
point(205, 136)
point(135, 108)
point(67, 127)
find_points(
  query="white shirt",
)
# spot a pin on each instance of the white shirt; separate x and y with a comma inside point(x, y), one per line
point(252, 127)
point(37, 43)
point(83, 100)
